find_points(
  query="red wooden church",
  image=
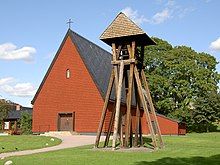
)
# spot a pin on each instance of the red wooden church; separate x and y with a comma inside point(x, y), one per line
point(71, 95)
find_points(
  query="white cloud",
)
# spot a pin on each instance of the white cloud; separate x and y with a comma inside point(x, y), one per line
point(20, 89)
point(6, 80)
point(11, 87)
point(178, 10)
point(215, 45)
point(182, 12)
point(9, 51)
point(170, 3)
point(161, 17)
point(134, 15)
point(170, 10)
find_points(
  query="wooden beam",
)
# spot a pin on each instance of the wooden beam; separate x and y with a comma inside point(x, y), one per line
point(115, 69)
point(137, 121)
point(126, 62)
point(132, 56)
point(109, 127)
point(126, 91)
point(140, 133)
point(16, 127)
point(133, 48)
point(118, 104)
point(129, 95)
point(114, 58)
point(129, 50)
point(104, 109)
point(140, 122)
point(131, 135)
point(149, 99)
point(146, 111)
point(121, 130)
point(118, 52)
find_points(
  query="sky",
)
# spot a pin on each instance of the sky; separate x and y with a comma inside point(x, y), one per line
point(32, 31)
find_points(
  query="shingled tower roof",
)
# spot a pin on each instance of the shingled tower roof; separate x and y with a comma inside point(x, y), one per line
point(123, 29)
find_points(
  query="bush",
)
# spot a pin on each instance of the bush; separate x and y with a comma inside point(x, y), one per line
point(199, 128)
point(1, 123)
point(5, 107)
point(26, 123)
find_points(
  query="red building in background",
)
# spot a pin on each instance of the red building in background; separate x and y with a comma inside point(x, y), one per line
point(71, 95)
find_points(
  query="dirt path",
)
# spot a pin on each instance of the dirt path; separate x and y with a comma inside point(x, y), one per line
point(67, 142)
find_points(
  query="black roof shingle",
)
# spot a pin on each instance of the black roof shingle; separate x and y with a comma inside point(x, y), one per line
point(96, 60)
point(16, 114)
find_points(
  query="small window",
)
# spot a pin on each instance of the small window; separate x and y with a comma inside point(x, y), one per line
point(67, 73)
point(6, 125)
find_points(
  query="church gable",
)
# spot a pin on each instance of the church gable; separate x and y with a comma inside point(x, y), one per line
point(96, 62)
point(69, 87)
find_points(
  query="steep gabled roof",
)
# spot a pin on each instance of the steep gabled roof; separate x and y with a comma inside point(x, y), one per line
point(122, 29)
point(96, 60)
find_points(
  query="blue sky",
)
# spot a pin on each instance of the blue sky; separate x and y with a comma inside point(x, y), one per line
point(31, 32)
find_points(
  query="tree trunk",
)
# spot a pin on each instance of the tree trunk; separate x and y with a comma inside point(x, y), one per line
point(207, 127)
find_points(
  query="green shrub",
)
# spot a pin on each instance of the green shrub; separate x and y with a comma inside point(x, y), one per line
point(5, 107)
point(26, 123)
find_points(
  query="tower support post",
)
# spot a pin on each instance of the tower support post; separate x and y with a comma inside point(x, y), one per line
point(104, 110)
point(118, 102)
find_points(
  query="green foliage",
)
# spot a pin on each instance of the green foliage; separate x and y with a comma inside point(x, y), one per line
point(5, 106)
point(206, 112)
point(26, 123)
point(179, 78)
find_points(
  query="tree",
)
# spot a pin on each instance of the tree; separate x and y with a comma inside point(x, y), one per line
point(178, 77)
point(207, 111)
point(26, 123)
point(5, 107)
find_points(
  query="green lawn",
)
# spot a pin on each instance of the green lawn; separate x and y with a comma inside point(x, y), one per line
point(25, 142)
point(192, 149)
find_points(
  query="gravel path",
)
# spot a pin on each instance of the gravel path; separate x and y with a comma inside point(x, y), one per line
point(68, 141)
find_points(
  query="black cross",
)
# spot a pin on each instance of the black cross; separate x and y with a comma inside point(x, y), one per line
point(69, 22)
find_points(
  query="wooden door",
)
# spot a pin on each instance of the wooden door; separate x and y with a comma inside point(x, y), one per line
point(66, 122)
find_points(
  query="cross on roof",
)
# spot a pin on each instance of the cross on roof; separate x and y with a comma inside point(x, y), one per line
point(69, 22)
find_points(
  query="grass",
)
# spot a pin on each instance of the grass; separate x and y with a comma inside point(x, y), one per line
point(25, 142)
point(193, 149)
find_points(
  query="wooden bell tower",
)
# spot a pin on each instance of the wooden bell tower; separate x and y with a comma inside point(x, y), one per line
point(128, 41)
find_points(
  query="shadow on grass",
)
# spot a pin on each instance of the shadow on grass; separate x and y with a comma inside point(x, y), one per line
point(146, 141)
point(212, 160)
